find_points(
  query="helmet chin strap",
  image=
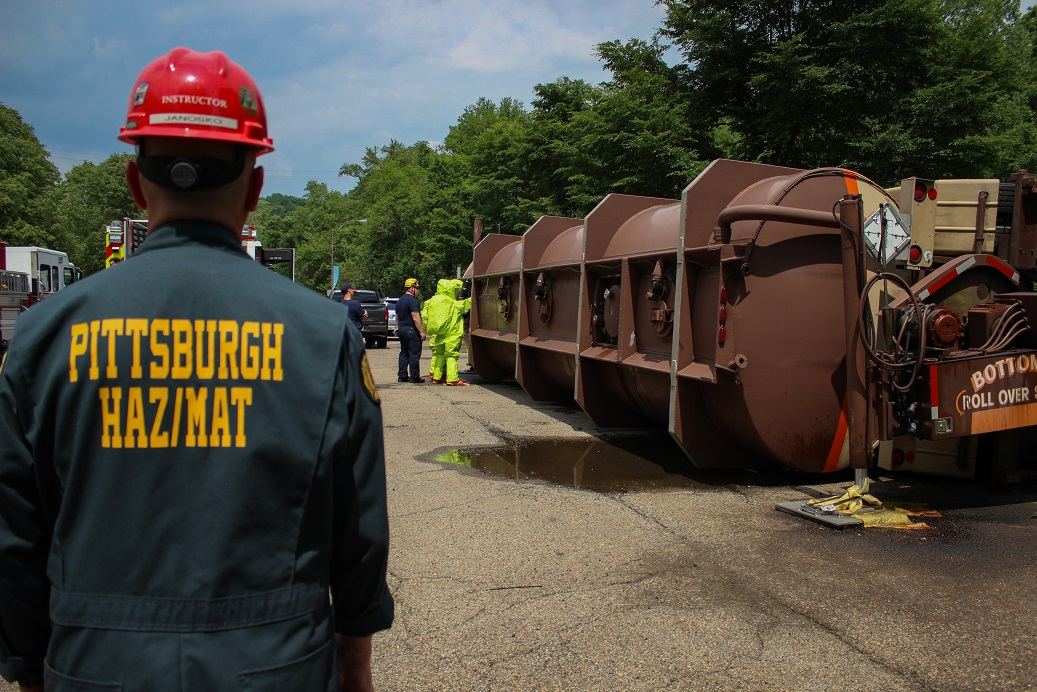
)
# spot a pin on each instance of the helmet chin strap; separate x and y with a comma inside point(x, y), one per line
point(190, 173)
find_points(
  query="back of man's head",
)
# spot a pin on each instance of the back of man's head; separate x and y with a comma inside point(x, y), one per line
point(198, 122)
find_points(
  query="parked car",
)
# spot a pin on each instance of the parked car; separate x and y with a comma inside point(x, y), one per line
point(376, 324)
point(390, 303)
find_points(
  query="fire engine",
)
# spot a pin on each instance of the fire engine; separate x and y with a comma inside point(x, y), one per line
point(28, 275)
point(123, 237)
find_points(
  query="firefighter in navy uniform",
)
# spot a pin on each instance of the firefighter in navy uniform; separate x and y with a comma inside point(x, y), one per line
point(191, 445)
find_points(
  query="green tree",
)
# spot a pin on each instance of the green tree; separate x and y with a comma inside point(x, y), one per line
point(639, 137)
point(492, 141)
point(313, 226)
point(87, 199)
point(975, 118)
point(416, 214)
point(890, 87)
point(26, 175)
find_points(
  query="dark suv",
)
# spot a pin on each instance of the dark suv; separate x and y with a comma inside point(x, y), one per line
point(376, 324)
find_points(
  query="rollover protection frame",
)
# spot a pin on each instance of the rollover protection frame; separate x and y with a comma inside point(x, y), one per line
point(496, 298)
point(552, 260)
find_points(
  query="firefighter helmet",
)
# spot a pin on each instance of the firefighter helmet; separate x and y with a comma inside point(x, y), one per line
point(196, 95)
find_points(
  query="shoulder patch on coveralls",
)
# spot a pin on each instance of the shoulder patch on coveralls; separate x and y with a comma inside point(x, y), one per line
point(369, 386)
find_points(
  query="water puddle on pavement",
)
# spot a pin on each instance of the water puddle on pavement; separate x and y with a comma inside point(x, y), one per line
point(617, 465)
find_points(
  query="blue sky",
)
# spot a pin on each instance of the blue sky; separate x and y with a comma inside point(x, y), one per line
point(336, 76)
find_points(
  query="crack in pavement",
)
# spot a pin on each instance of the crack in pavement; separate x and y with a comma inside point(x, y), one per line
point(464, 503)
point(621, 500)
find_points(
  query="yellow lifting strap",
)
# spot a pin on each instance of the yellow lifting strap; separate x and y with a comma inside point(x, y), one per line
point(857, 502)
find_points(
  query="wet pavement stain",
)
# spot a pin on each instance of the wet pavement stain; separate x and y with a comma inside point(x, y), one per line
point(615, 465)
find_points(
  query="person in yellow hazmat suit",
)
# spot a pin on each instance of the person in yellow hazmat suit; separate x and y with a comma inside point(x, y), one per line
point(443, 314)
point(431, 342)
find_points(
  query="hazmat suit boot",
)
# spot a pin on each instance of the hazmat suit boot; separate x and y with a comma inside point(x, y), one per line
point(452, 351)
point(445, 318)
point(438, 364)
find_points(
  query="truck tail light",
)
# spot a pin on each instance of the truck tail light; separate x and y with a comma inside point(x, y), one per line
point(896, 457)
point(924, 190)
point(919, 191)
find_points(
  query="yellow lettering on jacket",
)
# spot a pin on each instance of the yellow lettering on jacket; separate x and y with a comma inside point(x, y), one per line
point(220, 428)
point(249, 351)
point(272, 334)
point(111, 328)
point(158, 397)
point(205, 349)
point(136, 433)
point(196, 399)
point(95, 371)
point(200, 417)
point(241, 397)
point(228, 369)
point(159, 350)
point(76, 349)
point(111, 417)
point(207, 356)
point(182, 366)
point(136, 329)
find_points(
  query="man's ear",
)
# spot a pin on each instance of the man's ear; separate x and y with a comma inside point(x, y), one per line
point(255, 186)
point(133, 180)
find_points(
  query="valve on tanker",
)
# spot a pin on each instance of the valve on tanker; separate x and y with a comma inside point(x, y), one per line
point(605, 311)
point(542, 295)
point(504, 298)
point(658, 291)
point(945, 328)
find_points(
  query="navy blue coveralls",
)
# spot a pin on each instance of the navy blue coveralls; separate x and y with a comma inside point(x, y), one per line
point(190, 460)
point(410, 340)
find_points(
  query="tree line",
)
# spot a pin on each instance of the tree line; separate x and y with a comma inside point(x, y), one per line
point(934, 88)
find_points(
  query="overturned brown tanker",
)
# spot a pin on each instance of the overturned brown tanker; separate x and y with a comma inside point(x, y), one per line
point(726, 317)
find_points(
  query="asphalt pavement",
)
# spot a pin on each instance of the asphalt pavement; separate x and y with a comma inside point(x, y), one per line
point(504, 584)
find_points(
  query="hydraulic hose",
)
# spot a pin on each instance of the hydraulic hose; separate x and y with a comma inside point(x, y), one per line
point(1000, 326)
point(881, 358)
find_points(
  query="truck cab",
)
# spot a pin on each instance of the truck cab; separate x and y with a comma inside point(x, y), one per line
point(14, 298)
point(28, 275)
point(49, 270)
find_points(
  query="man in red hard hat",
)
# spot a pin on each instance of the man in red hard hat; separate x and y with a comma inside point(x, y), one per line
point(191, 451)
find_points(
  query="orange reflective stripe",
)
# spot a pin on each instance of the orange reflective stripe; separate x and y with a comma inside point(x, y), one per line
point(832, 463)
point(851, 182)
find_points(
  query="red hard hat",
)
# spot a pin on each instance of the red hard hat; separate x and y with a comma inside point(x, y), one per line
point(198, 96)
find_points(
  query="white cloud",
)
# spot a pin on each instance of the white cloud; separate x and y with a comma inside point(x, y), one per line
point(337, 76)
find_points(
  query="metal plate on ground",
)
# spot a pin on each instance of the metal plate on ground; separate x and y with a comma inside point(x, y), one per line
point(803, 509)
